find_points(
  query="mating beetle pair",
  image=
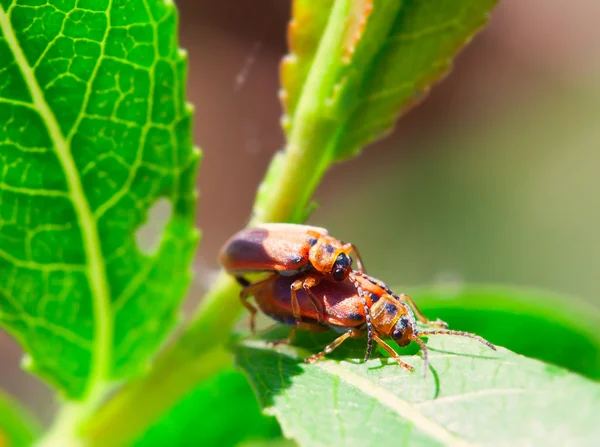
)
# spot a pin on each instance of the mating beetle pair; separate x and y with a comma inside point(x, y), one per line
point(289, 250)
point(313, 287)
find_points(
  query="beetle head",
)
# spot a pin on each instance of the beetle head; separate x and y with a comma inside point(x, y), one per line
point(341, 267)
point(393, 317)
point(404, 329)
point(327, 256)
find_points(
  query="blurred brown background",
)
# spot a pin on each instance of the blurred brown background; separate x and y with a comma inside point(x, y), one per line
point(494, 178)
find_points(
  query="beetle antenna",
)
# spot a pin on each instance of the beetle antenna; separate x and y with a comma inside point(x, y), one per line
point(457, 333)
point(359, 263)
point(425, 351)
point(368, 322)
point(379, 283)
point(369, 330)
point(384, 286)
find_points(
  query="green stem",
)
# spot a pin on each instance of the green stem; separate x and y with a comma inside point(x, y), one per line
point(17, 426)
point(296, 172)
point(66, 428)
point(133, 410)
point(292, 179)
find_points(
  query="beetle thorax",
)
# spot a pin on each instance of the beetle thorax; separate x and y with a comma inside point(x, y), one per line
point(392, 318)
point(324, 253)
point(384, 314)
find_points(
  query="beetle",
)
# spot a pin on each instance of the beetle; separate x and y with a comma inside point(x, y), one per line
point(306, 252)
point(357, 306)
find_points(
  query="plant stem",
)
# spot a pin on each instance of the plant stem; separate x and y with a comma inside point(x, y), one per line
point(133, 409)
point(296, 172)
point(291, 181)
point(17, 425)
point(66, 428)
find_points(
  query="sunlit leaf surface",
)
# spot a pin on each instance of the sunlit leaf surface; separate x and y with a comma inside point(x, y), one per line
point(470, 396)
point(94, 130)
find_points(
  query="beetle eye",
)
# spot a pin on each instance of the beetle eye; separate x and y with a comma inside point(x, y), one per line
point(339, 274)
point(397, 334)
point(341, 267)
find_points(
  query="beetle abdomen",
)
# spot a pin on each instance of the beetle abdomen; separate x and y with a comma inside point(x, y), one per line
point(341, 303)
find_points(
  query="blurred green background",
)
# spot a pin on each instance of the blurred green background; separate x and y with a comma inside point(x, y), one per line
point(493, 179)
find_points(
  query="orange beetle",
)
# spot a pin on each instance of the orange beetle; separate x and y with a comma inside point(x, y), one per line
point(303, 251)
point(355, 307)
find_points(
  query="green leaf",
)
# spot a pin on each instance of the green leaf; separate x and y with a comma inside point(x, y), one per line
point(17, 427)
point(95, 131)
point(280, 442)
point(205, 416)
point(354, 66)
point(386, 58)
point(543, 325)
point(471, 396)
point(416, 51)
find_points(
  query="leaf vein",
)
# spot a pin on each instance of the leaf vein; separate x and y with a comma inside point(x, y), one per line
point(474, 395)
point(49, 267)
point(96, 272)
point(402, 408)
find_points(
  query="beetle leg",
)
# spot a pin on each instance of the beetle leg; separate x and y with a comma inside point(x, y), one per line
point(306, 284)
point(312, 327)
point(248, 291)
point(370, 334)
point(354, 333)
point(286, 341)
point(309, 282)
point(368, 322)
point(393, 353)
point(296, 285)
point(242, 281)
point(424, 350)
point(244, 295)
point(351, 248)
point(422, 318)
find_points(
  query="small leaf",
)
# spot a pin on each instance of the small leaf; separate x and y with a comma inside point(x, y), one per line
point(353, 67)
point(95, 130)
point(387, 59)
point(17, 427)
point(471, 396)
point(205, 416)
point(416, 52)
